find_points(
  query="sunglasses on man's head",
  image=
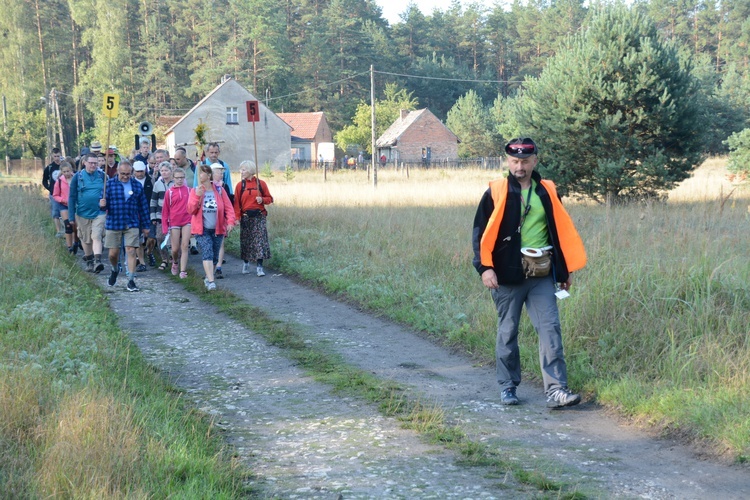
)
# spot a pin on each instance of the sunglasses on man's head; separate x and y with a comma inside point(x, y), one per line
point(520, 149)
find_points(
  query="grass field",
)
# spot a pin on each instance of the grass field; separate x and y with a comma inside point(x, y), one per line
point(81, 413)
point(657, 325)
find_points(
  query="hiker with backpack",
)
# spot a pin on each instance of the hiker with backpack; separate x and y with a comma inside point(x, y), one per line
point(251, 196)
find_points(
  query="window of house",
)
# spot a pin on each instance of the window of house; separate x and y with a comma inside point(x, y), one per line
point(232, 115)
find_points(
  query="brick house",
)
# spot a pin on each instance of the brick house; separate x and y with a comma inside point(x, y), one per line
point(417, 136)
point(311, 136)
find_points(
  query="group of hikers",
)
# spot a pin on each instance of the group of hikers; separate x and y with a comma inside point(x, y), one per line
point(525, 243)
point(150, 208)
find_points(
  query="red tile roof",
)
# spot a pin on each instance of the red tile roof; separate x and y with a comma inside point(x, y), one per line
point(167, 120)
point(304, 125)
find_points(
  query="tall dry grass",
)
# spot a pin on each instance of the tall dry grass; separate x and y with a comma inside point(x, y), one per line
point(92, 449)
point(658, 322)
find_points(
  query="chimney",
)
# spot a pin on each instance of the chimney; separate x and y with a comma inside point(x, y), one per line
point(404, 113)
point(225, 78)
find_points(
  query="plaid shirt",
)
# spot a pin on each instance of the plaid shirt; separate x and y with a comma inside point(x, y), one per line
point(123, 214)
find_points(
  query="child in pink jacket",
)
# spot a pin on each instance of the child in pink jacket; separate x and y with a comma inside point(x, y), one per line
point(60, 194)
point(175, 220)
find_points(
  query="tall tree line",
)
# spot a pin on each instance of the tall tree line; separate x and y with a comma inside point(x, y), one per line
point(162, 56)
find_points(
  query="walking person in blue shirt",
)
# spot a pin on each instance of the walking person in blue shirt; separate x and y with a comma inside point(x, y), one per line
point(127, 215)
point(86, 211)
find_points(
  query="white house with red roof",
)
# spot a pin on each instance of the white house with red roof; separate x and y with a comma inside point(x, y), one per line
point(311, 136)
point(223, 111)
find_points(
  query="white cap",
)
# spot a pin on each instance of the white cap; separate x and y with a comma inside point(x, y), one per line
point(139, 166)
point(216, 166)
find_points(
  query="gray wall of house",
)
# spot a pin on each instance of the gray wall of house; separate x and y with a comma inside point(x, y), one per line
point(271, 132)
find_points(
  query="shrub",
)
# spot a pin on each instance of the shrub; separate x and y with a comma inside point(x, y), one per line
point(739, 153)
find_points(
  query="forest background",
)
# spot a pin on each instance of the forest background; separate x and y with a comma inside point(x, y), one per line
point(163, 56)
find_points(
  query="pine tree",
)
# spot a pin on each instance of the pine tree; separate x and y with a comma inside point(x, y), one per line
point(470, 121)
point(616, 113)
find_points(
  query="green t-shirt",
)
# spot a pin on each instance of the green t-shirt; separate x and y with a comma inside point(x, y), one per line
point(534, 232)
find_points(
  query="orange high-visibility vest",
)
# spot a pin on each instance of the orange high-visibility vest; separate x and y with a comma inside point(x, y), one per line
point(571, 245)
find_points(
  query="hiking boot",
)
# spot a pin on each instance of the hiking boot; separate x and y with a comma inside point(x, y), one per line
point(218, 274)
point(89, 264)
point(98, 266)
point(151, 260)
point(132, 287)
point(113, 277)
point(141, 268)
point(259, 271)
point(246, 268)
point(508, 396)
point(561, 397)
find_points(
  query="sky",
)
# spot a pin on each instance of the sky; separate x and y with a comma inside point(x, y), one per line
point(392, 8)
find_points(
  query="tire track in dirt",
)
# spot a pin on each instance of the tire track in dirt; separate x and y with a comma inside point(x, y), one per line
point(304, 442)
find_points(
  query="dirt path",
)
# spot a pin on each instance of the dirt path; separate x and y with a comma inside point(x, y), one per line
point(302, 441)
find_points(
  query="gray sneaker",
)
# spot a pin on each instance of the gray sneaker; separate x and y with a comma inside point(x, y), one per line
point(508, 396)
point(259, 271)
point(246, 268)
point(562, 397)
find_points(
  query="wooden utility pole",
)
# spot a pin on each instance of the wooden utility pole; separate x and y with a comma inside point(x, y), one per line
point(372, 125)
point(5, 136)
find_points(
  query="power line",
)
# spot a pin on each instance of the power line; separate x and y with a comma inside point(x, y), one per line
point(446, 79)
point(320, 87)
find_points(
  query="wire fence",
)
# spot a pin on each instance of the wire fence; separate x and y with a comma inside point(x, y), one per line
point(25, 167)
point(484, 163)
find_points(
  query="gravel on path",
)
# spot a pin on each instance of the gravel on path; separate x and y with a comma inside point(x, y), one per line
point(302, 441)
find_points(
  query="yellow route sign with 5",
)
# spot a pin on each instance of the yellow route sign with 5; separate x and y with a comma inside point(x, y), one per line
point(111, 105)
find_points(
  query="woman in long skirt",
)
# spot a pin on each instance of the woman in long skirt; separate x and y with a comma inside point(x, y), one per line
point(250, 199)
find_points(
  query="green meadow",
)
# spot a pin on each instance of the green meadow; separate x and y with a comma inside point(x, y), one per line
point(657, 325)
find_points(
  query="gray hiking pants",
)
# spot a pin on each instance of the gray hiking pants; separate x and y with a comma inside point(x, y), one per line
point(541, 305)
